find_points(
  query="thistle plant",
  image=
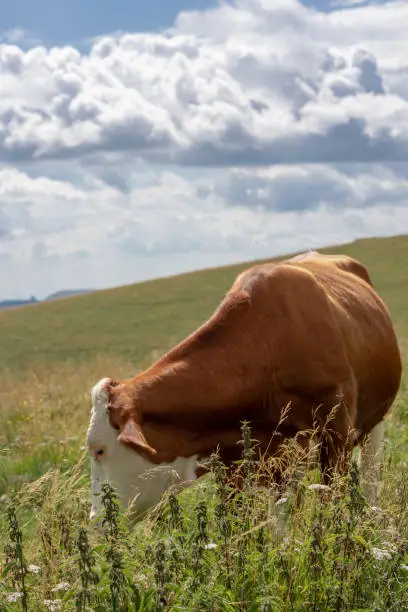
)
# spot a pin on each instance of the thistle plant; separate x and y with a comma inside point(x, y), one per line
point(221, 511)
point(112, 523)
point(89, 576)
point(161, 574)
point(316, 567)
point(175, 514)
point(65, 533)
point(14, 552)
point(200, 539)
point(248, 462)
point(176, 552)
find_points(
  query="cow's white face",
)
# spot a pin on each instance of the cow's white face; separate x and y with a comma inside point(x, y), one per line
point(135, 478)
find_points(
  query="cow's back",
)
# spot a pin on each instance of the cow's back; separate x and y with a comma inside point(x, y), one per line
point(367, 329)
point(325, 330)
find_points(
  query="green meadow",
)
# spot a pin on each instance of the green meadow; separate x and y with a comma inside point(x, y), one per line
point(202, 549)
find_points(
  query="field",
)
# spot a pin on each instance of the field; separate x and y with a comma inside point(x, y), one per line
point(197, 551)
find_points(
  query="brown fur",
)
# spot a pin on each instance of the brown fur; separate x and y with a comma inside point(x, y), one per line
point(310, 332)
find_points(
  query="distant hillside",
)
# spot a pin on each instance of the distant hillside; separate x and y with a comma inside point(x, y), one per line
point(13, 303)
point(138, 321)
point(33, 300)
point(64, 294)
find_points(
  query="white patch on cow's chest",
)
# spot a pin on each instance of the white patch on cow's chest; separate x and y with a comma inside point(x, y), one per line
point(134, 478)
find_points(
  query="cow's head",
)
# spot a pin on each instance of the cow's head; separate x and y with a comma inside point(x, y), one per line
point(121, 455)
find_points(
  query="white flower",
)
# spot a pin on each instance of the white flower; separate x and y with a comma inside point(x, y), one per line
point(13, 597)
point(380, 554)
point(141, 578)
point(390, 547)
point(404, 567)
point(318, 487)
point(281, 501)
point(210, 546)
point(34, 569)
point(53, 604)
point(61, 586)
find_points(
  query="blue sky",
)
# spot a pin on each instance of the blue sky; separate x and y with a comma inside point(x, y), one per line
point(62, 21)
point(260, 127)
point(70, 22)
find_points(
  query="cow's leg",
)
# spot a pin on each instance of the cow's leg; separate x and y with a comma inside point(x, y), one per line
point(276, 513)
point(335, 454)
point(291, 488)
point(278, 492)
point(337, 435)
point(371, 456)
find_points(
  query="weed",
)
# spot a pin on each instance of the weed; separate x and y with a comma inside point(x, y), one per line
point(15, 557)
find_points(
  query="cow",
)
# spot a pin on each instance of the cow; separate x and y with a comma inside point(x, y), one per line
point(307, 335)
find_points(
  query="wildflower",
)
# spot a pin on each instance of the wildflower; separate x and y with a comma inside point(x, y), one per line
point(404, 567)
point(13, 597)
point(33, 569)
point(318, 487)
point(380, 554)
point(141, 579)
point(390, 547)
point(61, 586)
point(281, 501)
point(210, 546)
point(53, 604)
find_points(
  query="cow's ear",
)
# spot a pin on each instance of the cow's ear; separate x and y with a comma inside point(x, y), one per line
point(131, 435)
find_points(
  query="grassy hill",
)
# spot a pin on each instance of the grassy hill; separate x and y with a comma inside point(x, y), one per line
point(200, 553)
point(137, 321)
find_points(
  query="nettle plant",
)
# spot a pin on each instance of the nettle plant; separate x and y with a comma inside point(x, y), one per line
point(213, 547)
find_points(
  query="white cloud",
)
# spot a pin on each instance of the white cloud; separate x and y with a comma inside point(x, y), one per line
point(19, 36)
point(286, 84)
point(235, 134)
point(57, 234)
point(166, 213)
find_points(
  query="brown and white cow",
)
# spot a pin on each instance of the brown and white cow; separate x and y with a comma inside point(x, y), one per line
point(309, 332)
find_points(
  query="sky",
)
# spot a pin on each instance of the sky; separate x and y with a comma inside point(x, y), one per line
point(143, 139)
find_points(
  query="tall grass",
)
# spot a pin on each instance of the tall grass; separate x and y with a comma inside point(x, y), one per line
point(201, 549)
point(209, 547)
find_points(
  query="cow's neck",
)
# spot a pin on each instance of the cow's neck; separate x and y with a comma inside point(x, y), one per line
point(188, 409)
point(189, 390)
